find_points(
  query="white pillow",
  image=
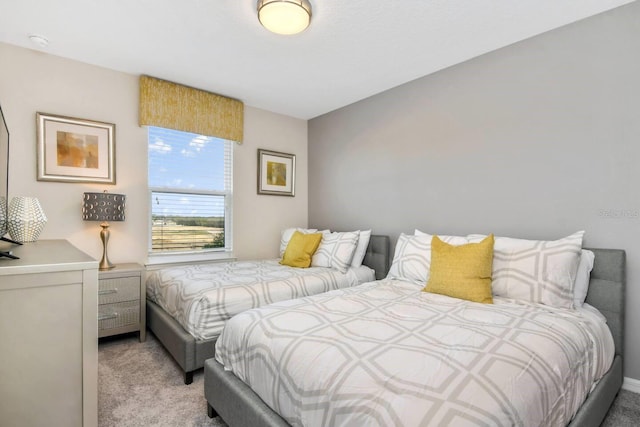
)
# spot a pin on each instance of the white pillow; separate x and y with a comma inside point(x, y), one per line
point(457, 240)
point(361, 249)
point(583, 275)
point(538, 271)
point(336, 250)
point(417, 232)
point(286, 236)
point(412, 257)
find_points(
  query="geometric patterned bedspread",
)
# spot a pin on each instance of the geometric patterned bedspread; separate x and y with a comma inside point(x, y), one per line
point(202, 297)
point(387, 354)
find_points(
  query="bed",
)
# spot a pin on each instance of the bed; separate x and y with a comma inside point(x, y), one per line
point(238, 404)
point(188, 325)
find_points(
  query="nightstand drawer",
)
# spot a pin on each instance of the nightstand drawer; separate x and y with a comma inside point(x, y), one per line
point(119, 289)
point(117, 315)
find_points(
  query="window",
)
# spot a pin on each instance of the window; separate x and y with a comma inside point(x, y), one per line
point(190, 191)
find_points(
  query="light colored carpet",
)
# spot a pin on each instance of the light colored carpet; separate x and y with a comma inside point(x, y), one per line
point(625, 411)
point(139, 384)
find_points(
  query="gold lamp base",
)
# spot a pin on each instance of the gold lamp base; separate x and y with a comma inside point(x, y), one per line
point(105, 264)
point(103, 207)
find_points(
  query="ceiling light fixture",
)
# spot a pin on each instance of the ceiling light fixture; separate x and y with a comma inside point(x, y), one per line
point(284, 16)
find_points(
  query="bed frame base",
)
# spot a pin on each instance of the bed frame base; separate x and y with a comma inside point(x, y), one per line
point(595, 408)
point(234, 401)
point(188, 352)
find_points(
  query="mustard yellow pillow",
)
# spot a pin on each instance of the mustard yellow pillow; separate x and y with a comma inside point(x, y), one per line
point(462, 271)
point(300, 249)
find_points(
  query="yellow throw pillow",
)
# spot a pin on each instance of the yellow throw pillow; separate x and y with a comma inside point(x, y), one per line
point(462, 271)
point(300, 249)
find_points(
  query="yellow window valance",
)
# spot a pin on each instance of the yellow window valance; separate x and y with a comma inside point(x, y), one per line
point(173, 106)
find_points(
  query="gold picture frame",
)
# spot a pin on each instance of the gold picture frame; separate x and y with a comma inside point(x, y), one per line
point(75, 150)
point(276, 173)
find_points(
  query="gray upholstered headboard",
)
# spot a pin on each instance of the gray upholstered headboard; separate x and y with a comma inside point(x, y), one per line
point(607, 290)
point(378, 256)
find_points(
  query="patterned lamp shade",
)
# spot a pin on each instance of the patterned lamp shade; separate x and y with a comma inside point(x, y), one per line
point(3, 216)
point(25, 219)
point(103, 207)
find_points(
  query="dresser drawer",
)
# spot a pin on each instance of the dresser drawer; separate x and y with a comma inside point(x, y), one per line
point(119, 314)
point(118, 289)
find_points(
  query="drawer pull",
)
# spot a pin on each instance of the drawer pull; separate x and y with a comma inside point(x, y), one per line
point(108, 291)
point(107, 316)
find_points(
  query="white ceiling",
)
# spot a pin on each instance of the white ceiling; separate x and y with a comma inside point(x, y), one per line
point(353, 48)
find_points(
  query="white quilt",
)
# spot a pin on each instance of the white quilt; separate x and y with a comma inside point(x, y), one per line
point(386, 354)
point(202, 297)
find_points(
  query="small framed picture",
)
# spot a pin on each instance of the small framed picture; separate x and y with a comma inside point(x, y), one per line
point(75, 150)
point(276, 173)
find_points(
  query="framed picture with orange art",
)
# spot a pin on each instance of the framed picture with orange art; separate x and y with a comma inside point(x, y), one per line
point(276, 173)
point(75, 150)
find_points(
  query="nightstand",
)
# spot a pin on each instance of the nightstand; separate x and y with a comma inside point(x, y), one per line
point(121, 301)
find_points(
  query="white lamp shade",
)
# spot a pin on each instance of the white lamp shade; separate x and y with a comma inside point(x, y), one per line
point(25, 219)
point(284, 16)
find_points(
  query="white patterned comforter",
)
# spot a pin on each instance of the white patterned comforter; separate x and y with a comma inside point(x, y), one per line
point(386, 354)
point(203, 297)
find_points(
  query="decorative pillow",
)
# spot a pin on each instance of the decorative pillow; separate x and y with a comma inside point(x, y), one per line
point(286, 236)
point(536, 270)
point(412, 257)
point(300, 249)
point(336, 250)
point(463, 271)
point(361, 249)
point(581, 287)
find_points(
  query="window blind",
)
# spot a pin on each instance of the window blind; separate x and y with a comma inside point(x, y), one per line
point(190, 186)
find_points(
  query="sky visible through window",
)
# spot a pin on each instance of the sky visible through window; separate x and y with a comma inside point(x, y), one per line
point(186, 162)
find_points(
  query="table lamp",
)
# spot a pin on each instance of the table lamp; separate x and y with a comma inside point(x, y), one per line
point(103, 207)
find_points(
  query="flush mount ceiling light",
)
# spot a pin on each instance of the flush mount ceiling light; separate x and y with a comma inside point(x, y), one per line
point(284, 16)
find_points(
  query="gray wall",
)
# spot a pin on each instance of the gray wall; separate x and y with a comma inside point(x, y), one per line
point(535, 140)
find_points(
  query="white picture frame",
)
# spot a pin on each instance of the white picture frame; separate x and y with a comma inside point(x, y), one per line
point(75, 150)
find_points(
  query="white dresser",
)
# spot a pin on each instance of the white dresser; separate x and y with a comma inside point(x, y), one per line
point(48, 336)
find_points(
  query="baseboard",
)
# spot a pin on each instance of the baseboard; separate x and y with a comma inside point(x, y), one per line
point(631, 384)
